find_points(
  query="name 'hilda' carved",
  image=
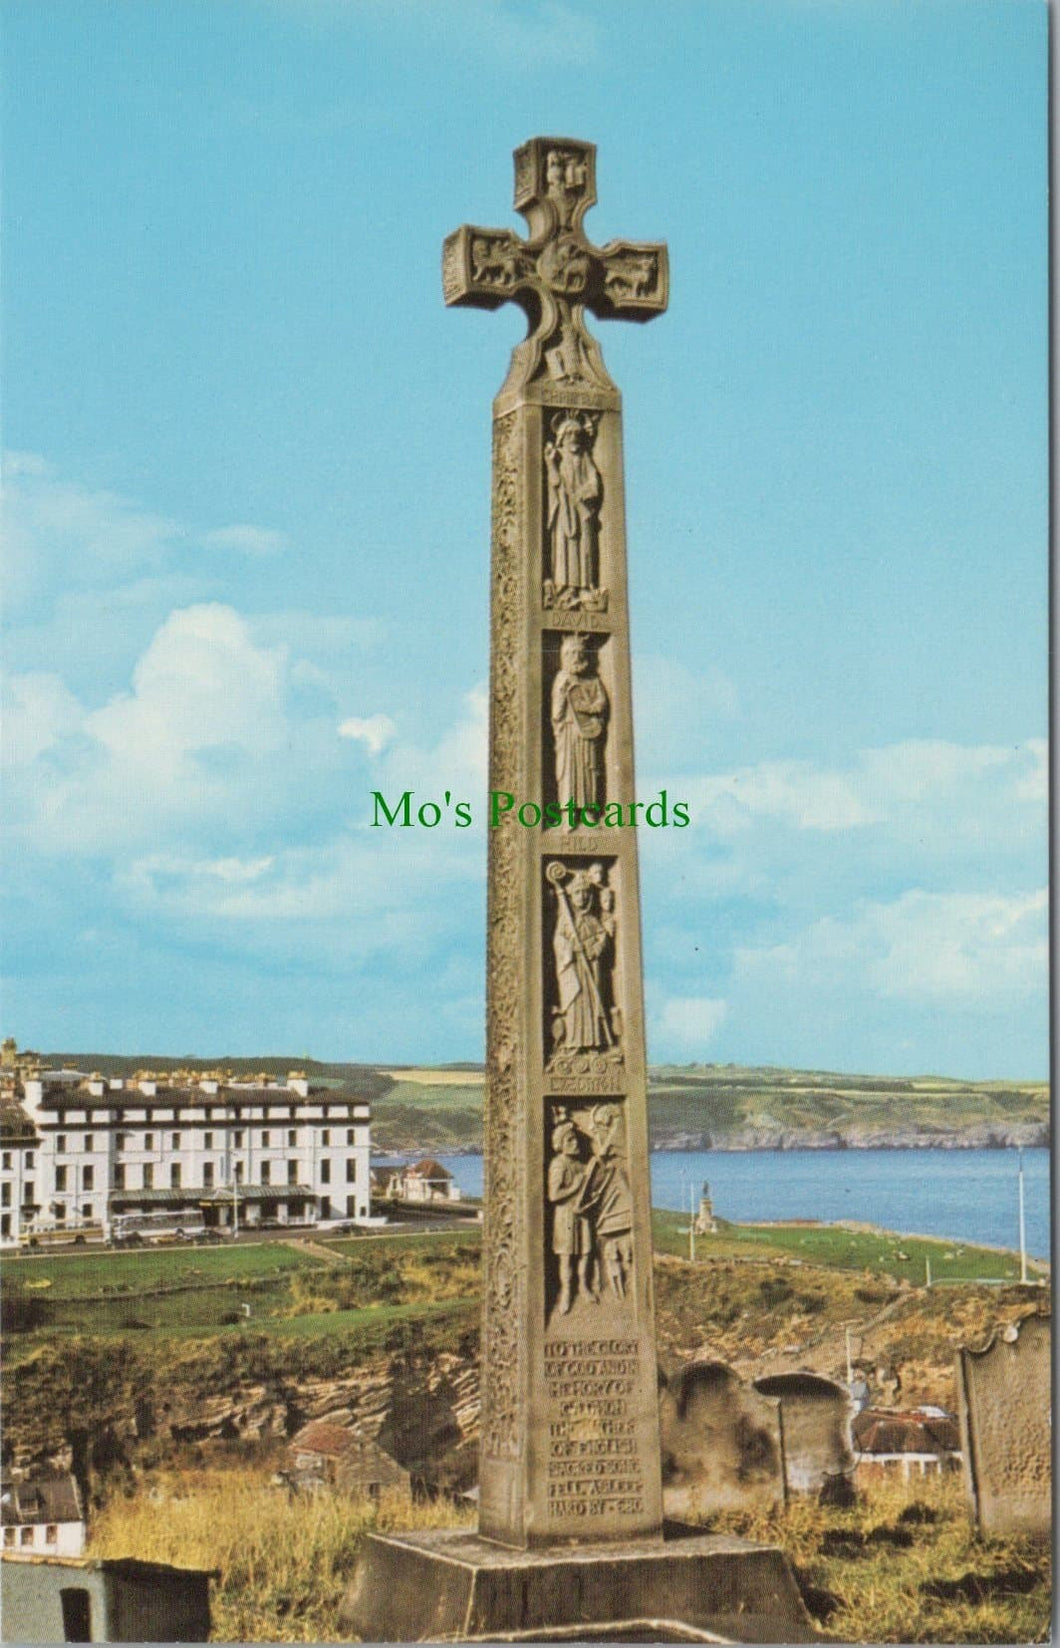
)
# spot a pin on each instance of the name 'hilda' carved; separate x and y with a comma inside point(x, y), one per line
point(570, 1438)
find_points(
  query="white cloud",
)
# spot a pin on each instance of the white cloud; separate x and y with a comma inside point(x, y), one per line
point(39, 713)
point(247, 540)
point(964, 949)
point(791, 792)
point(58, 531)
point(919, 796)
point(61, 535)
point(375, 733)
point(694, 1020)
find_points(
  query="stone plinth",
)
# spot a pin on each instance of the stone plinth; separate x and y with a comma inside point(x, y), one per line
point(455, 1586)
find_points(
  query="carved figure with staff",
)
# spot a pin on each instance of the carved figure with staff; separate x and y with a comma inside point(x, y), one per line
point(583, 935)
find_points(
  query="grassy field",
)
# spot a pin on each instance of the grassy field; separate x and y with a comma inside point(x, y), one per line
point(882, 1253)
point(80, 1275)
point(268, 1288)
point(901, 1566)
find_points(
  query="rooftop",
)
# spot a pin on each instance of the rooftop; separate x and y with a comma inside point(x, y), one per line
point(40, 1499)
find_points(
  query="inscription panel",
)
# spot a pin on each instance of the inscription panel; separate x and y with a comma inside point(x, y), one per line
point(596, 1461)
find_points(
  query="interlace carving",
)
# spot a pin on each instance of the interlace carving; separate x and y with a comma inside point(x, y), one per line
point(504, 1122)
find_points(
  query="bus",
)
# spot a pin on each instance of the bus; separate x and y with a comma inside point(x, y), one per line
point(175, 1225)
point(61, 1234)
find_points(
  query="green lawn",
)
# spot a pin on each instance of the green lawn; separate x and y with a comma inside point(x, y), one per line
point(903, 1257)
point(145, 1268)
point(356, 1247)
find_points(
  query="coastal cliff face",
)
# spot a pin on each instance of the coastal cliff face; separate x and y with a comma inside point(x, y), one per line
point(736, 1107)
point(981, 1136)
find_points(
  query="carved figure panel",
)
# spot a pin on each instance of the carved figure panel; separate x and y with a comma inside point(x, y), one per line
point(579, 712)
point(584, 1021)
point(590, 1208)
point(574, 499)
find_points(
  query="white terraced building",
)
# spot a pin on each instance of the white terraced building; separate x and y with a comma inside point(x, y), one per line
point(227, 1152)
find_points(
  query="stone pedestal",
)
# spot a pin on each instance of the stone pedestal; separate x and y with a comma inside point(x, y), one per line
point(458, 1587)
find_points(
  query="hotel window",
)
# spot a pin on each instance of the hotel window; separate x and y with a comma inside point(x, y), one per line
point(28, 1191)
point(90, 1141)
point(149, 1141)
point(29, 1159)
point(86, 1210)
point(149, 1175)
point(292, 1136)
point(51, 1534)
point(325, 1171)
point(239, 1172)
point(174, 1175)
point(266, 1173)
point(25, 1536)
point(351, 1169)
point(174, 1141)
point(88, 1178)
point(5, 1224)
point(60, 1213)
point(60, 1178)
point(60, 1147)
point(119, 1175)
point(9, 1537)
point(5, 1161)
point(292, 1173)
point(207, 1175)
point(207, 1141)
point(325, 1137)
point(351, 1207)
point(349, 1136)
point(266, 1139)
point(121, 1140)
point(5, 1195)
point(237, 1141)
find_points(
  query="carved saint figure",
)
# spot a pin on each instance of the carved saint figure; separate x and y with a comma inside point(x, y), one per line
point(614, 1212)
point(580, 710)
point(565, 176)
point(575, 494)
point(582, 943)
point(569, 1185)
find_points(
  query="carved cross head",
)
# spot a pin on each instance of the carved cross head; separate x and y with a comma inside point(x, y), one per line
point(556, 274)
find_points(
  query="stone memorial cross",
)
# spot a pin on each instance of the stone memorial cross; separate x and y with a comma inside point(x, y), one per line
point(570, 1429)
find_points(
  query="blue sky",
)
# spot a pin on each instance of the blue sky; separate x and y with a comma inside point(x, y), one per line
point(248, 498)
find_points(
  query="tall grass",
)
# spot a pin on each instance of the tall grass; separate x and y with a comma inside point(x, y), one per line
point(901, 1566)
point(284, 1560)
point(904, 1565)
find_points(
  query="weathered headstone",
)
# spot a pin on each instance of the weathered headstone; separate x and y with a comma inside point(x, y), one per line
point(570, 1520)
point(1005, 1399)
point(723, 1447)
point(816, 1415)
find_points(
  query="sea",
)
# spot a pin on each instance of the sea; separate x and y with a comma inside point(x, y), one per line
point(960, 1195)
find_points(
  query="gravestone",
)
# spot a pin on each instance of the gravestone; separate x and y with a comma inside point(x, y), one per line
point(816, 1415)
point(1005, 1396)
point(723, 1447)
point(570, 1518)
